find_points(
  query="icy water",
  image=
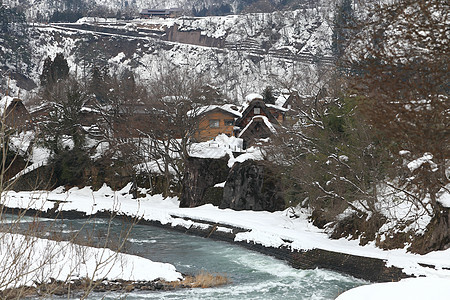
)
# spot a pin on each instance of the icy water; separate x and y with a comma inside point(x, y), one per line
point(253, 275)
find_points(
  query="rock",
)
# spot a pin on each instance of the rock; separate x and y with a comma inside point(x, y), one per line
point(201, 174)
point(253, 186)
point(147, 288)
point(213, 195)
point(129, 288)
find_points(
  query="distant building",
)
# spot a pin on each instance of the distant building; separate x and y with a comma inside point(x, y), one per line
point(161, 13)
point(253, 122)
point(215, 120)
point(15, 114)
point(258, 121)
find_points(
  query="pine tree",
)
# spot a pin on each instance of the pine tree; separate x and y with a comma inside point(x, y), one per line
point(99, 83)
point(268, 96)
point(46, 75)
point(54, 71)
point(60, 68)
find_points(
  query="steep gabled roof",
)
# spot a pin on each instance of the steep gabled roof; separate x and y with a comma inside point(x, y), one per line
point(261, 119)
point(257, 103)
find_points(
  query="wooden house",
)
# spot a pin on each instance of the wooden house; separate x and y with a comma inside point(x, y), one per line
point(256, 107)
point(15, 114)
point(41, 112)
point(216, 119)
point(258, 121)
point(278, 112)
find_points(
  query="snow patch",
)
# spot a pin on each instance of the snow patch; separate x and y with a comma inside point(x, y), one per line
point(411, 289)
point(63, 260)
point(426, 158)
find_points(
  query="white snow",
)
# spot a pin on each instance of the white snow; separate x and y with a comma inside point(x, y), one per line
point(230, 108)
point(221, 184)
point(444, 196)
point(117, 59)
point(427, 158)
point(271, 229)
point(5, 101)
point(154, 167)
point(278, 107)
point(65, 261)
point(404, 152)
point(281, 100)
point(250, 97)
point(411, 289)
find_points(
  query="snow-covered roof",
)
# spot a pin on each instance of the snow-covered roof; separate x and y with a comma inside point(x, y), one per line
point(42, 107)
point(218, 147)
point(89, 110)
point(256, 102)
point(281, 99)
point(229, 108)
point(250, 97)
point(279, 107)
point(5, 102)
point(255, 119)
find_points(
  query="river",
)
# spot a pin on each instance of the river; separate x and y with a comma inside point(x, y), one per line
point(252, 275)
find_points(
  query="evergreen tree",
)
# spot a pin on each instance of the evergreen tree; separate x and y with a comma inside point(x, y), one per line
point(54, 71)
point(99, 83)
point(60, 67)
point(268, 96)
point(64, 119)
point(46, 75)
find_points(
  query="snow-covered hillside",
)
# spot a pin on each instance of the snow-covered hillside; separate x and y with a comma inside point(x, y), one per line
point(45, 8)
point(283, 49)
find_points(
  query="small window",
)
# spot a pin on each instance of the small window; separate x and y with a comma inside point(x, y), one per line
point(257, 110)
point(229, 122)
point(214, 123)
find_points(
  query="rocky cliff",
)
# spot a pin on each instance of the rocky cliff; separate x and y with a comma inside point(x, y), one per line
point(253, 186)
point(200, 175)
point(248, 186)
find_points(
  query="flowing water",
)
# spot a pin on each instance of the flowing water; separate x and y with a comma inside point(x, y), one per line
point(253, 275)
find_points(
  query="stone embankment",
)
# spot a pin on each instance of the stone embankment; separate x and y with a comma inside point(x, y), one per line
point(173, 34)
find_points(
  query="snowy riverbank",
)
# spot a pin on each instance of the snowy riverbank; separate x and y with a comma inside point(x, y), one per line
point(61, 260)
point(276, 229)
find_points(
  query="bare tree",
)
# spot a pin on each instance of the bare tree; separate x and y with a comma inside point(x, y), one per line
point(399, 65)
point(31, 253)
point(175, 99)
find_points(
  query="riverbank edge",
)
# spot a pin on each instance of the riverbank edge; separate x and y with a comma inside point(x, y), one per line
point(77, 287)
point(366, 268)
